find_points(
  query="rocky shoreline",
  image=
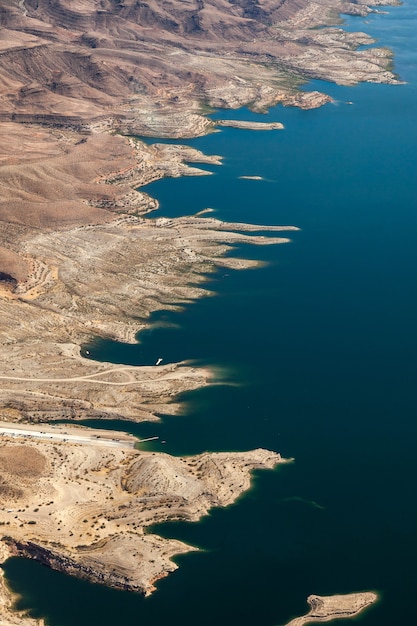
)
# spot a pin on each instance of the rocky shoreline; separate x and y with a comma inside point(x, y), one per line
point(83, 508)
point(141, 71)
point(78, 259)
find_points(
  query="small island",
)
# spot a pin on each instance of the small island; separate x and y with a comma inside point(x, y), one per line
point(328, 608)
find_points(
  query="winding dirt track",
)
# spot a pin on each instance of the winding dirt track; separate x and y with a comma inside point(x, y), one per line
point(79, 378)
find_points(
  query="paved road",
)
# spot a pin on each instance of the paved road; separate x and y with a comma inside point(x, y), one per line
point(96, 440)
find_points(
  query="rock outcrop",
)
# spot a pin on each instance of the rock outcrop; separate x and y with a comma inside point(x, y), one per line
point(85, 507)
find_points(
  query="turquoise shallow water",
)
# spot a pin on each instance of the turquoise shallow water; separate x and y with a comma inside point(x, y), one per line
point(322, 343)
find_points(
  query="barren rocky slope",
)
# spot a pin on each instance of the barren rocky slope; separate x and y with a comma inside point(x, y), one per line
point(83, 509)
point(137, 266)
point(78, 81)
point(146, 67)
point(72, 72)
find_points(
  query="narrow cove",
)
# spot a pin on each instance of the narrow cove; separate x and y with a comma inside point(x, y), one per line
point(320, 347)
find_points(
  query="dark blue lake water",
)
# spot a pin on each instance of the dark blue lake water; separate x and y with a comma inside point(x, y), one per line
point(322, 343)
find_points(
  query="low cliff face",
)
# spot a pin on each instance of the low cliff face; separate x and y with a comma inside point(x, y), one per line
point(61, 562)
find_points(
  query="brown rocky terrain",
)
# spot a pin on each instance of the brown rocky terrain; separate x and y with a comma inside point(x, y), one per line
point(72, 72)
point(146, 67)
point(83, 509)
point(137, 267)
point(79, 81)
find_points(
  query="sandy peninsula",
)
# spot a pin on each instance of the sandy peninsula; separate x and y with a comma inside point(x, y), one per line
point(80, 505)
point(243, 125)
point(329, 608)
